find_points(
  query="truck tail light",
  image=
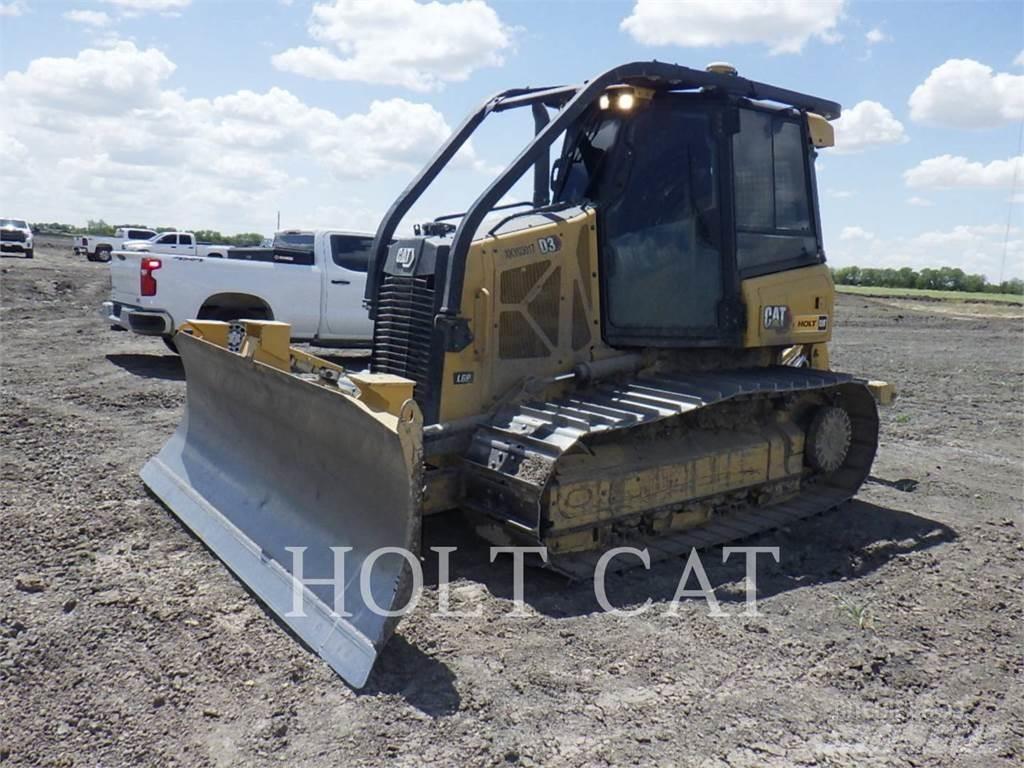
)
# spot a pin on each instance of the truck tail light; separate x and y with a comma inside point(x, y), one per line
point(147, 283)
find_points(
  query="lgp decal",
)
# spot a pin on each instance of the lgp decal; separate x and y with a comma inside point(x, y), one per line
point(775, 316)
point(462, 377)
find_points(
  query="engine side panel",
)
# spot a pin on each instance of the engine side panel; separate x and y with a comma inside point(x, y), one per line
point(533, 304)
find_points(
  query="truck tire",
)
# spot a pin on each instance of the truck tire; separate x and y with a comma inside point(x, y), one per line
point(103, 253)
point(30, 253)
point(169, 343)
point(89, 256)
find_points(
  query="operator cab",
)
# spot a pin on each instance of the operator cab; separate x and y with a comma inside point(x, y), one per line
point(694, 193)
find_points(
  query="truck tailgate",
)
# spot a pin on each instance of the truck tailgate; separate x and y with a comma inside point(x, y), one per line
point(124, 277)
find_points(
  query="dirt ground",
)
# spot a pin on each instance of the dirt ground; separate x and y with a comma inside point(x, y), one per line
point(890, 633)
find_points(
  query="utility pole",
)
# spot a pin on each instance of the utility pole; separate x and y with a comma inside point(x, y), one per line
point(278, 222)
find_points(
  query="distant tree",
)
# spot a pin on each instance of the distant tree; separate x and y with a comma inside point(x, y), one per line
point(246, 239)
point(927, 279)
point(974, 283)
point(846, 276)
point(53, 228)
point(208, 236)
point(99, 227)
point(906, 278)
point(941, 279)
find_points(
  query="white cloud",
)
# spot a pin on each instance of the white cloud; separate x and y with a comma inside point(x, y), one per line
point(13, 151)
point(400, 42)
point(920, 202)
point(784, 26)
point(1019, 61)
point(157, 155)
point(15, 8)
point(948, 171)
point(94, 82)
point(963, 93)
point(149, 5)
point(972, 248)
point(855, 233)
point(875, 36)
point(867, 124)
point(89, 18)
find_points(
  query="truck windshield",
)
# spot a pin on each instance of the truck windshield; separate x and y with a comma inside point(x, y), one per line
point(19, 223)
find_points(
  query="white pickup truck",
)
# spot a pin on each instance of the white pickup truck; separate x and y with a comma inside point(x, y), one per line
point(99, 247)
point(317, 288)
point(179, 243)
point(16, 235)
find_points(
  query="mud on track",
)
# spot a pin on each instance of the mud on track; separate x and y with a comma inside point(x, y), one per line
point(124, 642)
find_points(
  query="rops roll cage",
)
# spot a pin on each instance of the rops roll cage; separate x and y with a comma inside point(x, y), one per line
point(570, 101)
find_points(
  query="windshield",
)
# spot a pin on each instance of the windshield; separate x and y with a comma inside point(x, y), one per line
point(661, 245)
point(19, 223)
point(294, 239)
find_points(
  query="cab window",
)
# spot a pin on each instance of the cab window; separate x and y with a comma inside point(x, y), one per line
point(351, 252)
point(184, 239)
point(168, 240)
point(774, 230)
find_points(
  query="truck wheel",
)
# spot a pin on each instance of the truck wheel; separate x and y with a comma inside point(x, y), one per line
point(30, 253)
point(169, 343)
point(89, 257)
point(103, 254)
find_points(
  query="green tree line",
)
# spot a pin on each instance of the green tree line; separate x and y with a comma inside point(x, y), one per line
point(941, 279)
point(100, 227)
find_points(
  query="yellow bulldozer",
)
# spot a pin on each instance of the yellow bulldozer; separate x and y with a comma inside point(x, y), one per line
point(636, 356)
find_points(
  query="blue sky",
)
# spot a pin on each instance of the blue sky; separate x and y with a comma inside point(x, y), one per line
point(218, 114)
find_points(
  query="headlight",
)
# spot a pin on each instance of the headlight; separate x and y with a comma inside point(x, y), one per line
point(625, 98)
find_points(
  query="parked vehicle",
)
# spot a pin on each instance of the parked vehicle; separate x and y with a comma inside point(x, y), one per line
point(16, 235)
point(318, 290)
point(271, 249)
point(179, 243)
point(99, 247)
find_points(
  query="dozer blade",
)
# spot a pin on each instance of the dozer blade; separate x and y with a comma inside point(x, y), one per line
point(265, 462)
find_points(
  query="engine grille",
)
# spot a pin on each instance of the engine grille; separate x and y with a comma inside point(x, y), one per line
point(403, 330)
point(12, 235)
